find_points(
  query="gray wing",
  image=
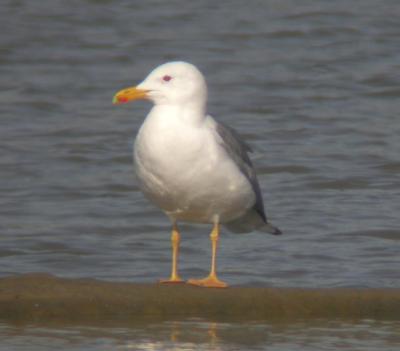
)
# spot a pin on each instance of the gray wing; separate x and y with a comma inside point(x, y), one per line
point(238, 150)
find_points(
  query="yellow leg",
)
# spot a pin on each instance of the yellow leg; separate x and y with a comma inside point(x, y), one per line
point(211, 281)
point(175, 239)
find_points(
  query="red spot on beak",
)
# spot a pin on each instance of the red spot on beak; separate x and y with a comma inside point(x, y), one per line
point(122, 99)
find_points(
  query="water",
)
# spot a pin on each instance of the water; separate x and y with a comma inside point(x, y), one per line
point(201, 335)
point(314, 87)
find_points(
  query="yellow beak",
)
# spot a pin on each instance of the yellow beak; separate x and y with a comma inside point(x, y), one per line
point(129, 94)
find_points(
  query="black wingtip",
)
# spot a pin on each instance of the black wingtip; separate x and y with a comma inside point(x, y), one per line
point(269, 228)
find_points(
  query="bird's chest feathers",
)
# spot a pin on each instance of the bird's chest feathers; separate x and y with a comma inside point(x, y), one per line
point(170, 150)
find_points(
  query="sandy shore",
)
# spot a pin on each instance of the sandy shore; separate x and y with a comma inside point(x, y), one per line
point(43, 297)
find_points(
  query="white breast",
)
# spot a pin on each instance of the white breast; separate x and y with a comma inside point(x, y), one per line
point(184, 171)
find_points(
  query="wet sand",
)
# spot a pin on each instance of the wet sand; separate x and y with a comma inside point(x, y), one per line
point(44, 298)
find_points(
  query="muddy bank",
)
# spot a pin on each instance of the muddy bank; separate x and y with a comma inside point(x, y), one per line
point(42, 297)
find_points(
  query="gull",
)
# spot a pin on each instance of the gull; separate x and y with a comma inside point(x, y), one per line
point(192, 167)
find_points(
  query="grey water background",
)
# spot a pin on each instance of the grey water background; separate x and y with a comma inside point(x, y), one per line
point(313, 86)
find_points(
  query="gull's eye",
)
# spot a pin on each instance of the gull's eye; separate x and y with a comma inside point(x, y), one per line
point(166, 78)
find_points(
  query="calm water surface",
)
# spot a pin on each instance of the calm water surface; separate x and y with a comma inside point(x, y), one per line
point(200, 335)
point(314, 87)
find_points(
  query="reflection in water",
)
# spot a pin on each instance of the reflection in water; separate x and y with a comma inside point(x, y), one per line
point(180, 335)
point(329, 335)
point(204, 335)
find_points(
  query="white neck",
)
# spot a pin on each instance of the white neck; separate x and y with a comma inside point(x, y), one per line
point(192, 114)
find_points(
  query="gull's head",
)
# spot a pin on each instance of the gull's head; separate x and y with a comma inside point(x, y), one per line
point(173, 83)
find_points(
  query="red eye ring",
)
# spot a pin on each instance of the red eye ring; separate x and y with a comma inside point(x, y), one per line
point(166, 78)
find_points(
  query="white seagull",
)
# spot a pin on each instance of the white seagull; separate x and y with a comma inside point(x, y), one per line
point(192, 167)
